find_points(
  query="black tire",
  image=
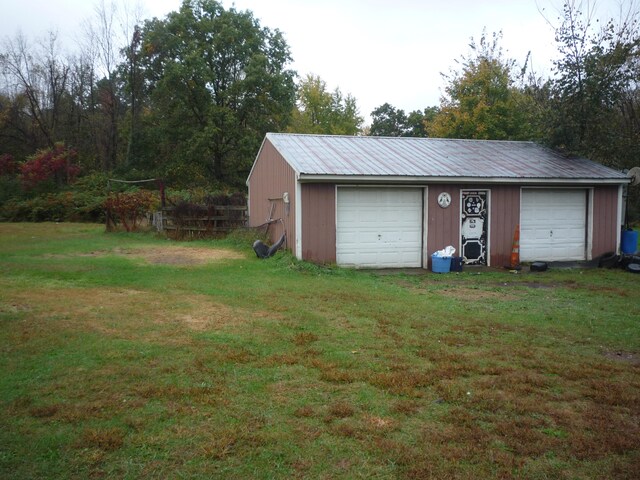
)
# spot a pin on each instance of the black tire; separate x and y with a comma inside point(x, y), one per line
point(633, 267)
point(625, 260)
point(608, 260)
point(538, 267)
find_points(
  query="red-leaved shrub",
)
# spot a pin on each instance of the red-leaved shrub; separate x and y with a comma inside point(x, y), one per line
point(130, 207)
point(53, 164)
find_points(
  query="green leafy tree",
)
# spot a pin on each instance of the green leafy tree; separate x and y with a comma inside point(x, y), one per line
point(388, 121)
point(417, 121)
point(391, 122)
point(215, 82)
point(320, 111)
point(482, 100)
point(594, 97)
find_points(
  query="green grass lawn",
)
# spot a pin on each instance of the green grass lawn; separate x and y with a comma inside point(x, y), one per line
point(130, 356)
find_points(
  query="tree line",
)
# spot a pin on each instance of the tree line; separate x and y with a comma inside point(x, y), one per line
point(190, 96)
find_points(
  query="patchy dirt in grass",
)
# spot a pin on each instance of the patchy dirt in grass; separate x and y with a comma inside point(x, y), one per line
point(185, 255)
point(569, 284)
point(472, 294)
point(625, 357)
point(613, 291)
point(379, 422)
point(462, 293)
point(528, 285)
point(170, 255)
point(127, 313)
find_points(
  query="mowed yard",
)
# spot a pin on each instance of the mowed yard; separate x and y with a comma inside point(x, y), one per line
point(131, 356)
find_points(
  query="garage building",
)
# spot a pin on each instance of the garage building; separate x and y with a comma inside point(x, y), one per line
point(382, 202)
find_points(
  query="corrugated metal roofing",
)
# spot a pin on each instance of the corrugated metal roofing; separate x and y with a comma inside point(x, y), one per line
point(431, 157)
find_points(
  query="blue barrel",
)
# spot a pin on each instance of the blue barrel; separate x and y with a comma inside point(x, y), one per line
point(629, 242)
point(440, 264)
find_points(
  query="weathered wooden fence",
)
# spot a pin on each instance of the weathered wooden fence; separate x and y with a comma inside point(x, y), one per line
point(205, 221)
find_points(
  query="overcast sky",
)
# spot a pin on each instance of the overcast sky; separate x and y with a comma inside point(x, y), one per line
point(377, 50)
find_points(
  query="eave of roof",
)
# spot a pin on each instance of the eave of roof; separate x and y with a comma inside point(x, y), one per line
point(415, 180)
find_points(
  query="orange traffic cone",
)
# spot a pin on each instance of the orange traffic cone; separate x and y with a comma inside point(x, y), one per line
point(514, 264)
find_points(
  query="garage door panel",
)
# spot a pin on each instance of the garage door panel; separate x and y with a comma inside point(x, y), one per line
point(553, 224)
point(379, 227)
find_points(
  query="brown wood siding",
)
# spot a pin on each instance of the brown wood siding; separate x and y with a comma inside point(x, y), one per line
point(271, 177)
point(443, 224)
point(319, 222)
point(504, 215)
point(605, 220)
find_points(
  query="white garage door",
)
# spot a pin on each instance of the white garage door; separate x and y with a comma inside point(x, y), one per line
point(379, 227)
point(553, 224)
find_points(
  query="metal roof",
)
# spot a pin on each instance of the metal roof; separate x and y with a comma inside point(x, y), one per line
point(434, 158)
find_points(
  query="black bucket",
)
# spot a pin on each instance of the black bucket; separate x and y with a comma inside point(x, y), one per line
point(456, 264)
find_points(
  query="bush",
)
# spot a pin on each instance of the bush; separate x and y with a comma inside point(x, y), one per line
point(8, 165)
point(201, 196)
point(10, 188)
point(67, 206)
point(129, 207)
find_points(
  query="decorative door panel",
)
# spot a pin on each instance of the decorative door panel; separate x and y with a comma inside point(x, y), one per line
point(474, 226)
